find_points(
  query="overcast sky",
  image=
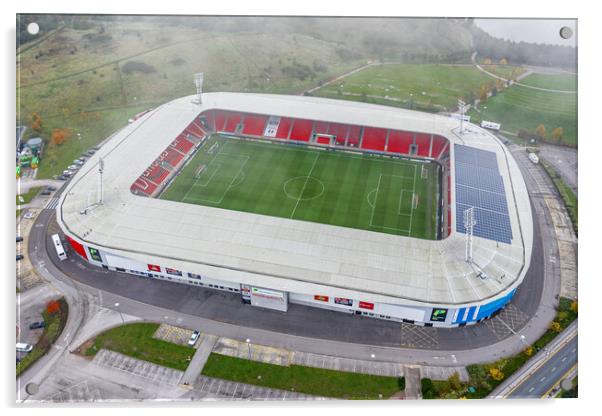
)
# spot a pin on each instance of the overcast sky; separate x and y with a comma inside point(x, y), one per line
point(529, 30)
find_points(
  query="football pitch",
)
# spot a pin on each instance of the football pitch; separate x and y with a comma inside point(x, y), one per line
point(330, 187)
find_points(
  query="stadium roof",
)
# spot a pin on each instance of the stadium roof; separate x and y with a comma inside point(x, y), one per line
point(288, 254)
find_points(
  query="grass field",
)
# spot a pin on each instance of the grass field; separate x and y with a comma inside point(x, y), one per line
point(418, 85)
point(519, 107)
point(136, 340)
point(315, 381)
point(365, 192)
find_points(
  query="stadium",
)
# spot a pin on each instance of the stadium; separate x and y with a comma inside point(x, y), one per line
point(353, 207)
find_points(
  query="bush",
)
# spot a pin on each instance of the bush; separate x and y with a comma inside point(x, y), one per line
point(136, 66)
point(428, 392)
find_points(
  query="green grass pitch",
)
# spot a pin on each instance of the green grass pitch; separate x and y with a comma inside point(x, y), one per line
point(330, 187)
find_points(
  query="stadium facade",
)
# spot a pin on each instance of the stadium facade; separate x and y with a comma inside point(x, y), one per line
point(273, 262)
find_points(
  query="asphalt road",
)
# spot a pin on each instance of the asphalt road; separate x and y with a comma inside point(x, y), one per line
point(549, 374)
point(564, 160)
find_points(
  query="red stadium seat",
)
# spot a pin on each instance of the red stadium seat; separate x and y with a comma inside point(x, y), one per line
point(195, 130)
point(423, 141)
point(399, 142)
point(321, 127)
point(353, 138)
point(210, 119)
point(233, 120)
point(374, 138)
point(340, 131)
point(254, 125)
point(156, 173)
point(143, 186)
point(301, 130)
point(439, 144)
point(173, 157)
point(182, 144)
point(283, 128)
point(220, 120)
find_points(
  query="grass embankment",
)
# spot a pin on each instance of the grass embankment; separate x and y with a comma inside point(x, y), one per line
point(136, 340)
point(484, 378)
point(308, 380)
point(523, 108)
point(568, 196)
point(55, 322)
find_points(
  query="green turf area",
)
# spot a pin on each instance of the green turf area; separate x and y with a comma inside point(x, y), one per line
point(366, 192)
point(561, 82)
point(430, 85)
point(28, 196)
point(315, 381)
point(136, 340)
point(519, 107)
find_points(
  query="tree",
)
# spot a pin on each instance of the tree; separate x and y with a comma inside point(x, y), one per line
point(529, 351)
point(59, 136)
point(496, 374)
point(483, 93)
point(487, 61)
point(557, 133)
point(574, 306)
point(555, 326)
point(53, 306)
point(503, 61)
point(454, 381)
point(36, 123)
point(541, 131)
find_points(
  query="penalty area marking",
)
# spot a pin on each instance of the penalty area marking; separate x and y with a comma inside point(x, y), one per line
point(411, 214)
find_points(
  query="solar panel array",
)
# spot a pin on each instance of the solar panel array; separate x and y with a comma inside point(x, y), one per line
point(480, 185)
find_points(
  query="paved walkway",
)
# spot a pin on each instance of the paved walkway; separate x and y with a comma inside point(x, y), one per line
point(205, 346)
point(413, 389)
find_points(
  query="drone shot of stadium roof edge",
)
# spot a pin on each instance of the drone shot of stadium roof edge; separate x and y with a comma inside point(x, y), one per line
point(288, 213)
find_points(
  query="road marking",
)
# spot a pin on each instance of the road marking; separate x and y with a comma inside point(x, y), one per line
point(553, 369)
point(563, 359)
point(531, 389)
point(543, 378)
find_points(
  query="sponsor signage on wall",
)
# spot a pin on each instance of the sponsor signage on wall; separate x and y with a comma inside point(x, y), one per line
point(343, 301)
point(268, 298)
point(195, 276)
point(366, 305)
point(94, 254)
point(439, 315)
point(321, 298)
point(173, 272)
point(154, 268)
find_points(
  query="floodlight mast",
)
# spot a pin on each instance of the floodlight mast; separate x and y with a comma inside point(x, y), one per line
point(469, 223)
point(198, 82)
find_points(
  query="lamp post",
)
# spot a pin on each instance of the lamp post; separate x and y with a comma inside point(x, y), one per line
point(79, 139)
point(120, 314)
point(248, 341)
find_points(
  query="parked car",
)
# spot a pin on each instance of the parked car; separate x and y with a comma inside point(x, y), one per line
point(67, 173)
point(23, 347)
point(29, 215)
point(78, 162)
point(37, 325)
point(90, 152)
point(19, 239)
point(20, 257)
point(193, 338)
point(61, 177)
point(46, 192)
point(51, 188)
point(72, 167)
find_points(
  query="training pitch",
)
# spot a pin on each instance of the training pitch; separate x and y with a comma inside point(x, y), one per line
point(373, 193)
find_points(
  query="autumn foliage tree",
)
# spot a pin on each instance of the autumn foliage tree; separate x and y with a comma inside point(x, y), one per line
point(503, 61)
point(541, 131)
point(557, 133)
point(496, 374)
point(59, 136)
point(555, 326)
point(53, 306)
point(487, 61)
point(36, 123)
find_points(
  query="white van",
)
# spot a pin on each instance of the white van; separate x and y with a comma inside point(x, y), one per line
point(23, 347)
point(533, 158)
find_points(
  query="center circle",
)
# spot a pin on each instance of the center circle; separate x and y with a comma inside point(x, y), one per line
point(303, 188)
